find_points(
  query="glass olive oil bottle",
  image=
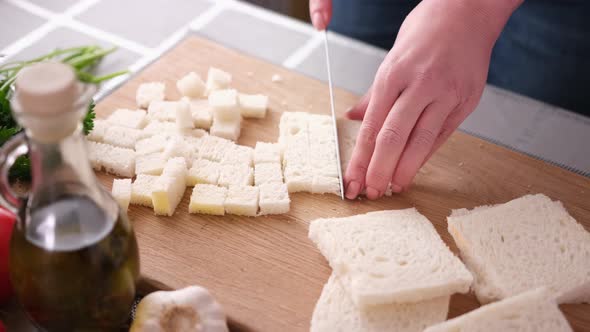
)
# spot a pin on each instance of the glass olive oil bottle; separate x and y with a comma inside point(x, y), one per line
point(74, 260)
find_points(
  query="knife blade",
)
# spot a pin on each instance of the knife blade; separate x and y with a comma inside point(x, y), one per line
point(334, 123)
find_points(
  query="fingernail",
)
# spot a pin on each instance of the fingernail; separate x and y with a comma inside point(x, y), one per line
point(372, 193)
point(317, 19)
point(353, 189)
point(396, 188)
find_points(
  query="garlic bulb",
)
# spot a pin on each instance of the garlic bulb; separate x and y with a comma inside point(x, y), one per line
point(188, 309)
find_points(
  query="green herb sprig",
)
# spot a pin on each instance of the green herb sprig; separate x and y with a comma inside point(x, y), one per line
point(83, 60)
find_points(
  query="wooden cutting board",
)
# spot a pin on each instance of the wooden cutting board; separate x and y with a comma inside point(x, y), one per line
point(264, 270)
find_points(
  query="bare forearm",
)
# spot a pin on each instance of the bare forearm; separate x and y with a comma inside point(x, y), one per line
point(488, 16)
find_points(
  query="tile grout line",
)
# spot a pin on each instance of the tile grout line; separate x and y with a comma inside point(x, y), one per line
point(67, 20)
point(303, 52)
point(194, 25)
point(27, 40)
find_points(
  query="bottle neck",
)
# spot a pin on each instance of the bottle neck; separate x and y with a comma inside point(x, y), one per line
point(62, 169)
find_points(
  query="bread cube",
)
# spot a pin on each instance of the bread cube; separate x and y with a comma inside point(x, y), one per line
point(156, 127)
point(203, 171)
point(238, 154)
point(325, 185)
point(98, 131)
point(201, 113)
point(267, 173)
point(274, 198)
point(152, 164)
point(169, 188)
point(253, 106)
point(121, 191)
point(227, 129)
point(141, 189)
point(298, 178)
point(276, 78)
point(177, 148)
point(242, 201)
point(156, 143)
point(214, 148)
point(122, 136)
point(217, 79)
point(113, 159)
point(166, 194)
point(208, 199)
point(191, 85)
point(150, 92)
point(235, 175)
point(193, 144)
point(162, 111)
point(224, 105)
point(267, 153)
point(184, 117)
point(128, 118)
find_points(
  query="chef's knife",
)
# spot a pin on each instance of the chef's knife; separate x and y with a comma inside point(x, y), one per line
point(335, 125)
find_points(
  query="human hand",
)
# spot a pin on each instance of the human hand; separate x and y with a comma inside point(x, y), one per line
point(320, 12)
point(429, 82)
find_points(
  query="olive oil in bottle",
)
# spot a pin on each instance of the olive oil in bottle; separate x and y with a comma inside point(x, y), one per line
point(74, 260)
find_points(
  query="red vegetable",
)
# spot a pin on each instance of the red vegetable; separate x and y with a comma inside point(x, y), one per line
point(7, 221)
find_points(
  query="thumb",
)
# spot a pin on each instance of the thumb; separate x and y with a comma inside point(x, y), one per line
point(320, 12)
point(357, 112)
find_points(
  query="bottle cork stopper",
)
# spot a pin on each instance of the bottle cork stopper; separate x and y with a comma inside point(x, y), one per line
point(45, 101)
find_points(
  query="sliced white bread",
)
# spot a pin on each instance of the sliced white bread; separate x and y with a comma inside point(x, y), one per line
point(521, 245)
point(389, 257)
point(531, 311)
point(208, 199)
point(191, 85)
point(242, 201)
point(121, 191)
point(336, 312)
point(267, 153)
point(98, 131)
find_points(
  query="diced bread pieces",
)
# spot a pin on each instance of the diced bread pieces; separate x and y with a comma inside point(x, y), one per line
point(238, 154)
point(162, 111)
point(157, 128)
point(169, 188)
point(325, 185)
point(533, 311)
point(98, 131)
point(127, 118)
point(141, 189)
point(152, 164)
point(121, 191)
point(217, 79)
point(227, 129)
point(267, 173)
point(214, 148)
point(208, 199)
point(521, 245)
point(274, 198)
point(298, 178)
point(191, 85)
point(203, 171)
point(184, 117)
point(150, 92)
point(224, 105)
point(235, 175)
point(122, 136)
point(253, 106)
point(113, 159)
point(176, 147)
point(267, 153)
point(156, 143)
point(201, 113)
point(389, 257)
point(276, 78)
point(242, 201)
point(335, 311)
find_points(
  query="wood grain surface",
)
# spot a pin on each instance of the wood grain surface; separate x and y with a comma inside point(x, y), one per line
point(264, 270)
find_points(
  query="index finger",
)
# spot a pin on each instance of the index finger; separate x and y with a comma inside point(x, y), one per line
point(320, 12)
